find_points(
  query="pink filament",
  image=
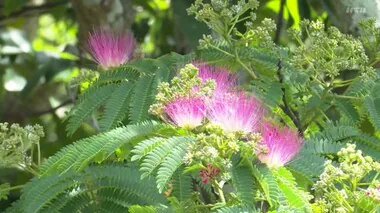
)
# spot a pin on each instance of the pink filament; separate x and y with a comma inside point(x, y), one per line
point(110, 49)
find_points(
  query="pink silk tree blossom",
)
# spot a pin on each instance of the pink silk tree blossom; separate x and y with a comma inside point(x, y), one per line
point(186, 112)
point(224, 80)
point(281, 145)
point(110, 49)
point(236, 112)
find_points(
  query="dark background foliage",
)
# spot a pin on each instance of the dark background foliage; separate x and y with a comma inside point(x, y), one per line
point(43, 47)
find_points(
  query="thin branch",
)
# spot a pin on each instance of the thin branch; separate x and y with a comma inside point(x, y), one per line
point(250, 71)
point(280, 22)
point(12, 188)
point(28, 10)
point(286, 108)
point(51, 110)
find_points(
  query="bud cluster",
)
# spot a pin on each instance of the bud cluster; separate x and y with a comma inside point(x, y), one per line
point(185, 86)
point(327, 53)
point(339, 185)
point(15, 141)
point(221, 15)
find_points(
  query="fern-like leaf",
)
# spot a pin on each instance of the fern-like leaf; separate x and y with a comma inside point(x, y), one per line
point(102, 188)
point(243, 182)
point(182, 185)
point(268, 185)
point(295, 197)
point(335, 132)
point(236, 209)
point(142, 209)
point(308, 164)
point(81, 153)
point(90, 101)
point(372, 105)
point(158, 155)
point(361, 87)
point(116, 107)
point(143, 77)
point(142, 98)
point(145, 146)
point(370, 145)
point(171, 163)
point(118, 75)
point(347, 110)
point(269, 91)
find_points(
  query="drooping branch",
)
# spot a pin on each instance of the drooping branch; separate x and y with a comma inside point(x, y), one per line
point(280, 22)
point(286, 108)
point(51, 110)
point(31, 10)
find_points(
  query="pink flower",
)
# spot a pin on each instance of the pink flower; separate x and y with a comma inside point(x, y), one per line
point(186, 112)
point(236, 112)
point(281, 145)
point(110, 49)
point(224, 80)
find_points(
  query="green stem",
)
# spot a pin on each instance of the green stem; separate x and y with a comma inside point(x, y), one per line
point(375, 178)
point(233, 25)
point(219, 188)
point(354, 184)
point(315, 116)
point(363, 184)
point(32, 171)
point(237, 20)
point(324, 114)
point(236, 56)
point(220, 50)
point(243, 19)
point(374, 62)
point(344, 201)
point(32, 154)
point(29, 169)
point(346, 81)
point(13, 188)
point(206, 206)
point(38, 154)
point(341, 85)
point(346, 97)
point(254, 76)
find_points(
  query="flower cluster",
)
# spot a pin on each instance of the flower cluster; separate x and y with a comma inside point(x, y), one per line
point(183, 101)
point(186, 112)
point(204, 99)
point(190, 104)
point(281, 145)
point(111, 49)
point(236, 112)
point(340, 185)
point(224, 80)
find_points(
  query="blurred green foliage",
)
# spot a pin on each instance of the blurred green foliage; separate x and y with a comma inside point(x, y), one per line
point(40, 54)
